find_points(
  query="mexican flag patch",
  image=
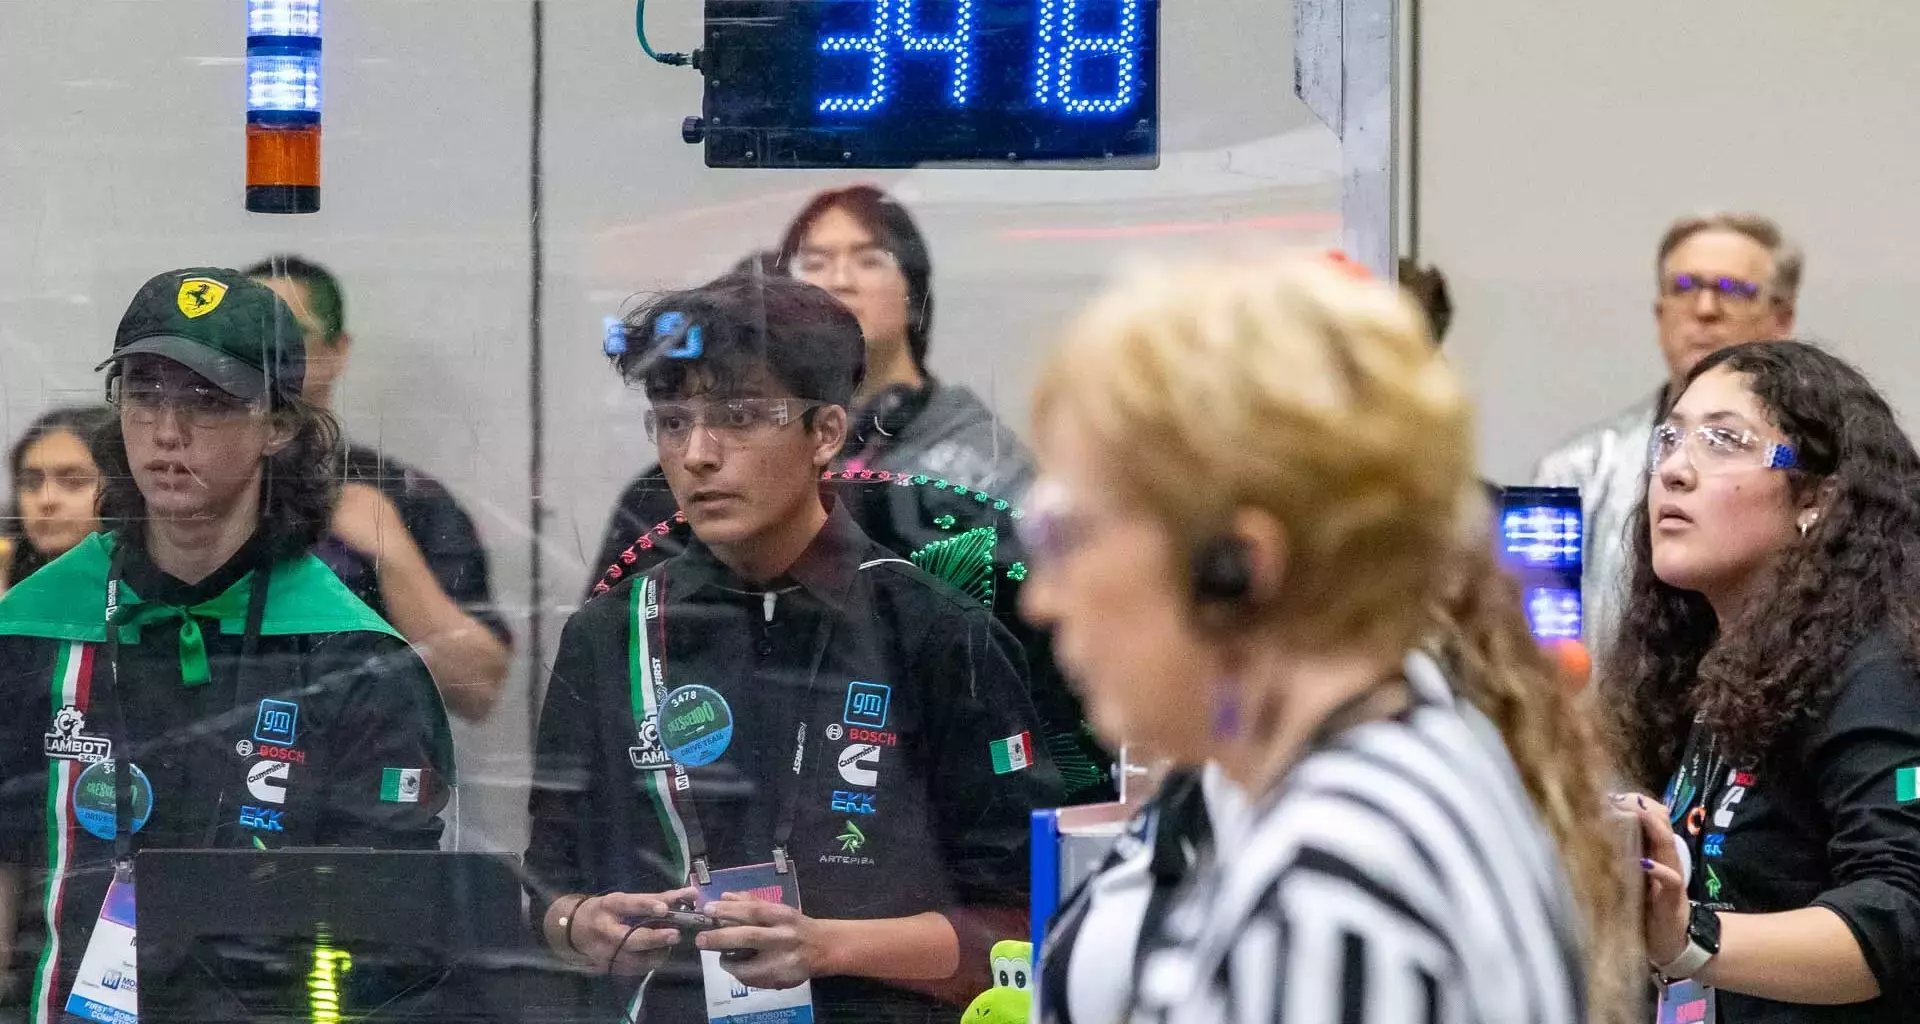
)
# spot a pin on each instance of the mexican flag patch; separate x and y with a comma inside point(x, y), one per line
point(1011, 754)
point(1906, 784)
point(400, 785)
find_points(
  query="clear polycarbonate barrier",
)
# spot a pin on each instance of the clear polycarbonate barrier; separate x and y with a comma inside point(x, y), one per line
point(499, 183)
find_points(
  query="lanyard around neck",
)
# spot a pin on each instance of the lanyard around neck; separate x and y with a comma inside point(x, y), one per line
point(115, 617)
point(1689, 797)
point(647, 668)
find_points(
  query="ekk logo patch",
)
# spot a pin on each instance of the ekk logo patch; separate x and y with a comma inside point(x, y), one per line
point(277, 723)
point(852, 802)
point(867, 704)
point(261, 819)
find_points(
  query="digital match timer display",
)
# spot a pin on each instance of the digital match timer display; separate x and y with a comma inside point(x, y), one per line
point(900, 83)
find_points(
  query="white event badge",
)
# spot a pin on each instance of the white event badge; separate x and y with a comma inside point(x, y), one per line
point(729, 1001)
point(104, 990)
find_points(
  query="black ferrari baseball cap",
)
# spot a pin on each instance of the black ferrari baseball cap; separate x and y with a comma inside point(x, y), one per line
point(222, 325)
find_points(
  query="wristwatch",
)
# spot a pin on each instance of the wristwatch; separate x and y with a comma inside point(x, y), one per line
point(1703, 943)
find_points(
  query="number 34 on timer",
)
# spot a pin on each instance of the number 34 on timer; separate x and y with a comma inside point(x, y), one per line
point(1060, 46)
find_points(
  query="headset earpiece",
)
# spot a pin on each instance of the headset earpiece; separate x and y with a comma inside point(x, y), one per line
point(1222, 572)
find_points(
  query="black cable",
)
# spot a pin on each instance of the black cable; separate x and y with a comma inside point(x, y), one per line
point(622, 947)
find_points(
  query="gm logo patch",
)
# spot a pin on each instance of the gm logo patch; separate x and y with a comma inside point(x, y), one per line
point(278, 722)
point(867, 704)
point(852, 802)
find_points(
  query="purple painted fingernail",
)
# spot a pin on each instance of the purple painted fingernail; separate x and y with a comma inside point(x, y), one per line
point(1645, 864)
point(1642, 799)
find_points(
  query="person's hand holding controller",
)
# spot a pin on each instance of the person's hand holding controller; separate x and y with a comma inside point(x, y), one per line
point(603, 931)
point(765, 944)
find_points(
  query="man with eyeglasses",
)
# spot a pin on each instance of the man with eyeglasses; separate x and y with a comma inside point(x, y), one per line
point(1724, 279)
point(194, 678)
point(821, 754)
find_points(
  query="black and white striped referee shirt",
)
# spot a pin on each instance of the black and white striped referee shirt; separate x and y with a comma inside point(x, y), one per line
point(1400, 877)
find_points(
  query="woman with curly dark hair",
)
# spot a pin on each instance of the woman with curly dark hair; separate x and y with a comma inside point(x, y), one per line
point(1767, 679)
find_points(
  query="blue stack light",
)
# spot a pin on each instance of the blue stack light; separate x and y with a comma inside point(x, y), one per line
point(283, 62)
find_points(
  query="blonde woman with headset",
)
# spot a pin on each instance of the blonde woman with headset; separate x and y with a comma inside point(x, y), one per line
point(1247, 536)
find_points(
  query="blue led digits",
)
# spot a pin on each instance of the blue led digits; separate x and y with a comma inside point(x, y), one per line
point(904, 83)
point(875, 46)
point(890, 28)
point(1062, 47)
point(959, 45)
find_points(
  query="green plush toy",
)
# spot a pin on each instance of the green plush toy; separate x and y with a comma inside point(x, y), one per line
point(1010, 1000)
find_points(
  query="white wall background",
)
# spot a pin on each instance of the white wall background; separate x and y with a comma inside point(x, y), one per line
point(121, 156)
point(1560, 139)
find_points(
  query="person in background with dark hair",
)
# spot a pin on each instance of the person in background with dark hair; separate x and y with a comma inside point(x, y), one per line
point(56, 491)
point(1721, 279)
point(1768, 675)
point(244, 698)
point(398, 539)
point(784, 691)
point(1428, 287)
point(863, 246)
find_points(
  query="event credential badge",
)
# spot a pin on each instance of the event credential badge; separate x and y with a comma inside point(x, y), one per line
point(729, 1001)
point(104, 990)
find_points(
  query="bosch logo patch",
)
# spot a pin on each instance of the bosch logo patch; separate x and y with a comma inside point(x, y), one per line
point(875, 737)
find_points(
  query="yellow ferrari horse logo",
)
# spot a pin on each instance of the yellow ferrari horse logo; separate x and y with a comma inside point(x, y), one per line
point(200, 296)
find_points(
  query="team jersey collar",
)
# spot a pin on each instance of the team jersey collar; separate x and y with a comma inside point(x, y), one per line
point(65, 600)
point(826, 568)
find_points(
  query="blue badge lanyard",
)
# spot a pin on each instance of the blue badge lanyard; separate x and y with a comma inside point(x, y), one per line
point(1702, 766)
point(788, 783)
point(118, 727)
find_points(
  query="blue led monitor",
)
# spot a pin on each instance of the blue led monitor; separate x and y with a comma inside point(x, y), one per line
point(1540, 535)
point(902, 83)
